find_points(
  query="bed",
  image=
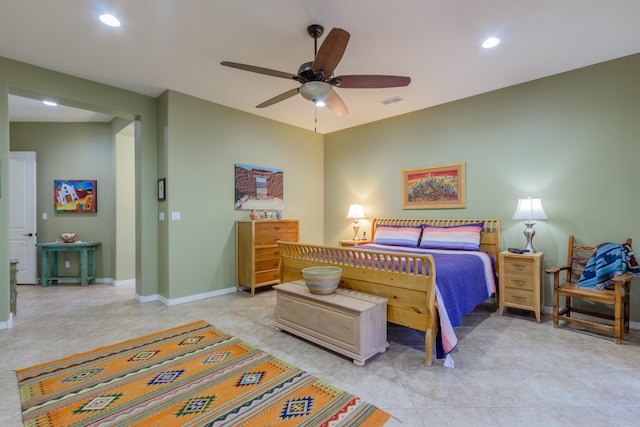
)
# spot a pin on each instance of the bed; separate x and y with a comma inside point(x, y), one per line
point(424, 267)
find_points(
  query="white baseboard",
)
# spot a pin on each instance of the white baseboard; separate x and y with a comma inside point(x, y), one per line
point(197, 297)
point(8, 324)
point(102, 280)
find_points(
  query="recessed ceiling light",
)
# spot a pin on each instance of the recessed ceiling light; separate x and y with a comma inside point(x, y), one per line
point(50, 103)
point(491, 42)
point(109, 20)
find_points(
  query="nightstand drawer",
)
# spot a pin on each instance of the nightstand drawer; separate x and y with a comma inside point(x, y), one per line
point(520, 265)
point(518, 281)
point(519, 296)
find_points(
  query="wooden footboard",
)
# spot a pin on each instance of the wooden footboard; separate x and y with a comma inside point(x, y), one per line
point(410, 292)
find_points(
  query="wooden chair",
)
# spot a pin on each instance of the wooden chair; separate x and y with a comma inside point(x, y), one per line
point(577, 259)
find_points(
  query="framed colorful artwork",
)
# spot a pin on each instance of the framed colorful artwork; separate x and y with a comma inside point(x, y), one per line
point(75, 196)
point(434, 187)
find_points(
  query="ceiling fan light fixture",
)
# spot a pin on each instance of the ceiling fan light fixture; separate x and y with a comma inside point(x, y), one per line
point(109, 20)
point(316, 92)
point(491, 42)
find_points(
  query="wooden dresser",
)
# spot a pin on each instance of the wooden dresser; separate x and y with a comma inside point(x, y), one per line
point(258, 254)
point(520, 281)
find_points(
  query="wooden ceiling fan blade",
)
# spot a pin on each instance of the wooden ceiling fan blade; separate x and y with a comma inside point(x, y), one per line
point(331, 51)
point(260, 70)
point(371, 81)
point(286, 95)
point(336, 104)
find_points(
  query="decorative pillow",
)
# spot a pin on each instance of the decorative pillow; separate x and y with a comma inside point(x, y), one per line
point(462, 237)
point(397, 236)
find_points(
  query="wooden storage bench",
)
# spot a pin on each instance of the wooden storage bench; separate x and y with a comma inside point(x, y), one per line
point(348, 322)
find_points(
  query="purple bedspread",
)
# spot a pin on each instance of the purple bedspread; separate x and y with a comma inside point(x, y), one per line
point(464, 279)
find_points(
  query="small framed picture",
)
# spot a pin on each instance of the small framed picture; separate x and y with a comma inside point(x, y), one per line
point(162, 189)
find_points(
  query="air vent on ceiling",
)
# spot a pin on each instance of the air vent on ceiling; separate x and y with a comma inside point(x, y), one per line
point(391, 100)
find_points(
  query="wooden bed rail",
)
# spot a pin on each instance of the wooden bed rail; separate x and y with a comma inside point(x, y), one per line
point(410, 291)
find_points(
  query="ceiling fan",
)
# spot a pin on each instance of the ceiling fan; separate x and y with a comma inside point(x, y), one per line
point(317, 77)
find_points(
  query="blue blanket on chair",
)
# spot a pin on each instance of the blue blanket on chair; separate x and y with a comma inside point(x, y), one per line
point(610, 259)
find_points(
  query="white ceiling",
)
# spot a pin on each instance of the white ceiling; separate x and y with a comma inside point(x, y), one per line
point(178, 45)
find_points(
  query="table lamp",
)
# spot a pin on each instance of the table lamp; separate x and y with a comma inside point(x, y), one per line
point(356, 213)
point(529, 210)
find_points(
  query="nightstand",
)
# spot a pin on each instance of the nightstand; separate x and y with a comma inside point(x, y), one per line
point(520, 281)
point(348, 243)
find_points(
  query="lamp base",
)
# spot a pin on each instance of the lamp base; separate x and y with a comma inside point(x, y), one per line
point(529, 232)
point(356, 227)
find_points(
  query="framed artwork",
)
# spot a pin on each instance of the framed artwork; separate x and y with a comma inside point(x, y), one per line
point(434, 187)
point(259, 188)
point(75, 196)
point(162, 189)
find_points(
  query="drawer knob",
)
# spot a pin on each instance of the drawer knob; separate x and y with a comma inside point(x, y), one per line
point(518, 297)
point(518, 282)
point(519, 265)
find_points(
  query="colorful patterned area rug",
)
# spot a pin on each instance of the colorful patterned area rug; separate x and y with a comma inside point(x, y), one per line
point(192, 375)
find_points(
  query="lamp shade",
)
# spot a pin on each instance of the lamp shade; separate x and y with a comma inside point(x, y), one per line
point(355, 212)
point(529, 209)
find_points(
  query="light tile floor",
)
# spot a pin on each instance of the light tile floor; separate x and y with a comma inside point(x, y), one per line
point(509, 371)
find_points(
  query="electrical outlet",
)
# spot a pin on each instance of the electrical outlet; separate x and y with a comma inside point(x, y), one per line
point(67, 264)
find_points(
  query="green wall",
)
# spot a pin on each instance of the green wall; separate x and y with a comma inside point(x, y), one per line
point(72, 151)
point(26, 80)
point(125, 206)
point(570, 139)
point(202, 143)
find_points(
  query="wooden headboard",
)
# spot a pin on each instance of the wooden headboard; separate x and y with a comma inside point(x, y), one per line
point(489, 239)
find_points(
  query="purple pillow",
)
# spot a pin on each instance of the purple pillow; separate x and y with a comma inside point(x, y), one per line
point(397, 236)
point(461, 237)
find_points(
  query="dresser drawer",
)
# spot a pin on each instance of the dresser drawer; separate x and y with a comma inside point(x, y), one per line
point(267, 264)
point(266, 253)
point(519, 281)
point(519, 296)
point(269, 232)
point(520, 265)
point(267, 276)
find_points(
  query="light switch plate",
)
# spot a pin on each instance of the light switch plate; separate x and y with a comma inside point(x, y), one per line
point(175, 216)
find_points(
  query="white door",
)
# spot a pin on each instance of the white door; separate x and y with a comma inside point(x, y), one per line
point(22, 213)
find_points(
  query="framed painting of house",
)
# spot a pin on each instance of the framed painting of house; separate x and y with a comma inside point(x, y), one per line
point(75, 196)
point(434, 187)
point(259, 188)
